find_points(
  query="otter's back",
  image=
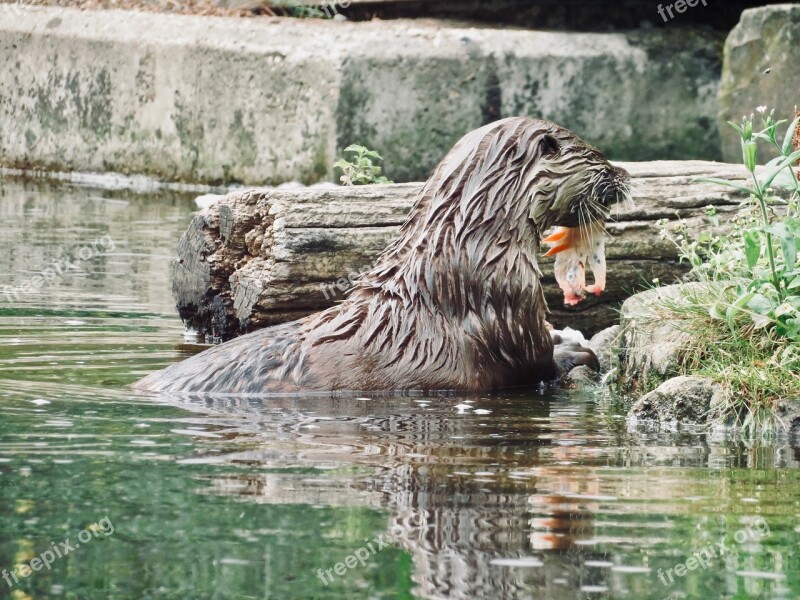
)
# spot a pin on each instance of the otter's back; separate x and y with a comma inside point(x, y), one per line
point(268, 360)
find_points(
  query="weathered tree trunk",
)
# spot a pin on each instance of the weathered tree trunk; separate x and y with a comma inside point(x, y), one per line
point(262, 257)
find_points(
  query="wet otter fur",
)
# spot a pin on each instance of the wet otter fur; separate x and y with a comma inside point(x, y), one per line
point(455, 303)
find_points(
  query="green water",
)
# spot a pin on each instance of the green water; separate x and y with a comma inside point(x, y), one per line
point(510, 496)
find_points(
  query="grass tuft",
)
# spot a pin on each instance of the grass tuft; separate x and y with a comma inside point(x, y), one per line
point(755, 367)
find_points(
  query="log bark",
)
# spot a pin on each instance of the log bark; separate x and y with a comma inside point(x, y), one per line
point(262, 257)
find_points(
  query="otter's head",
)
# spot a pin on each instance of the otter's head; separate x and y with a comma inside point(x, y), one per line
point(481, 214)
point(569, 182)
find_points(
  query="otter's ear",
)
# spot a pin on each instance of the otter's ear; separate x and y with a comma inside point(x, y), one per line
point(549, 145)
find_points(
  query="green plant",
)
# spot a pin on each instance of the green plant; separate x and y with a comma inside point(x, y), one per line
point(290, 8)
point(361, 169)
point(755, 367)
point(769, 294)
point(743, 312)
point(306, 12)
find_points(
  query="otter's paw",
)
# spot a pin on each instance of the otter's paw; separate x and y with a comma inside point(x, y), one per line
point(568, 355)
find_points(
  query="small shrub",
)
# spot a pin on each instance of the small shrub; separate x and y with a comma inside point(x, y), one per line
point(745, 321)
point(361, 169)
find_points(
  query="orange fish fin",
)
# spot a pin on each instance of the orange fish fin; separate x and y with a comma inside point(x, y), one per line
point(556, 249)
point(556, 235)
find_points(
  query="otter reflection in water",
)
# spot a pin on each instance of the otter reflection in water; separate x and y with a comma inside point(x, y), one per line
point(504, 505)
point(455, 303)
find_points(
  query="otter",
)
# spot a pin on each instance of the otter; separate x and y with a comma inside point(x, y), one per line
point(455, 303)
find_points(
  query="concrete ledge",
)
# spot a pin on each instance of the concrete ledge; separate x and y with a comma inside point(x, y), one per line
point(210, 99)
point(178, 97)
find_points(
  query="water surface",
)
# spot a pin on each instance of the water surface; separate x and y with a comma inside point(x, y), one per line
point(515, 495)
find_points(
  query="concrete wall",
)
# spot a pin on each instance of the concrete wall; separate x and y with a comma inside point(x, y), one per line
point(189, 98)
point(210, 99)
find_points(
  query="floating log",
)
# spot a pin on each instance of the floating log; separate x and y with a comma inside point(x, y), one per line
point(261, 257)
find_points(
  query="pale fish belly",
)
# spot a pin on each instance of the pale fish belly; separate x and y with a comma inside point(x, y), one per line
point(575, 248)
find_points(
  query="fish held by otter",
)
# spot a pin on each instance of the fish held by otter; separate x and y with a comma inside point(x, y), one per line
point(577, 248)
point(455, 302)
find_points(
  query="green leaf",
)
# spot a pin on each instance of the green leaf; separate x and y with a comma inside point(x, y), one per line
point(775, 161)
point(790, 329)
point(789, 160)
point(788, 243)
point(760, 304)
point(724, 182)
point(789, 247)
point(737, 306)
point(777, 229)
point(752, 247)
point(737, 127)
point(715, 312)
point(762, 136)
point(760, 321)
point(787, 141)
point(785, 309)
point(785, 178)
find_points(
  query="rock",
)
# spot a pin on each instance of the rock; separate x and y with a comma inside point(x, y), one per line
point(766, 38)
point(605, 345)
point(240, 100)
point(787, 413)
point(677, 401)
point(224, 100)
point(650, 346)
point(580, 377)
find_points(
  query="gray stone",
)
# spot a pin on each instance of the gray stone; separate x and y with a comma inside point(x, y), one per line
point(261, 101)
point(677, 401)
point(787, 416)
point(651, 347)
point(766, 38)
point(605, 345)
point(580, 377)
point(642, 95)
